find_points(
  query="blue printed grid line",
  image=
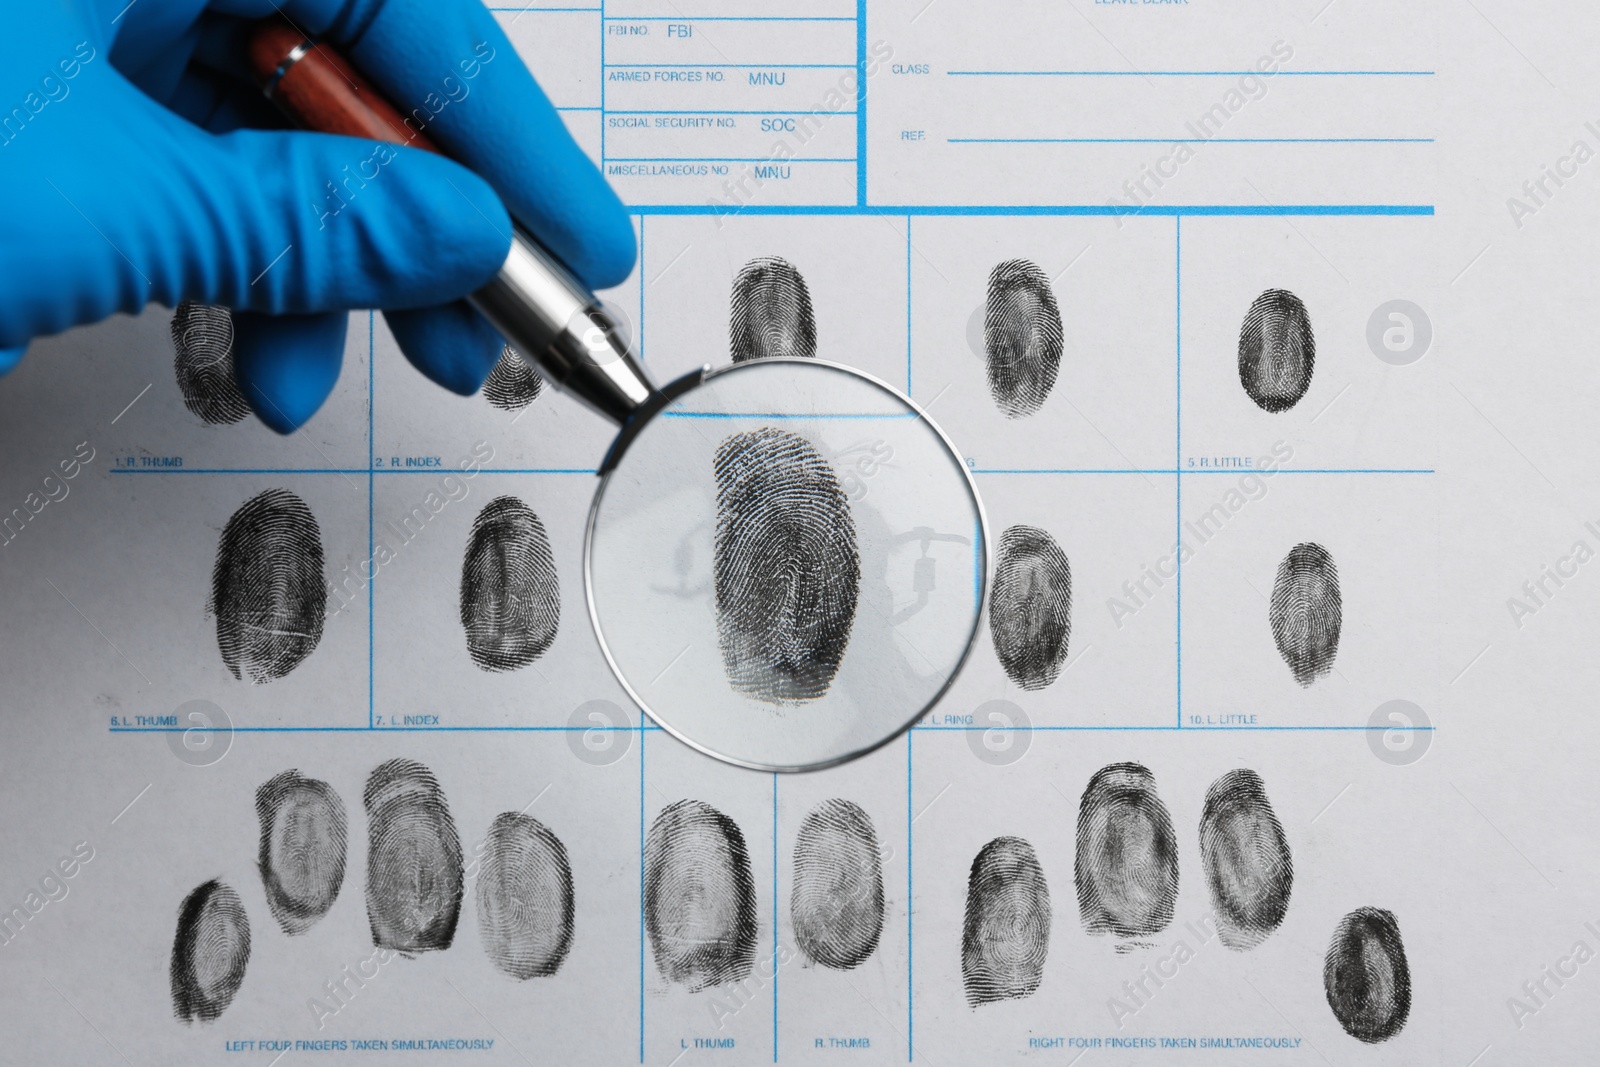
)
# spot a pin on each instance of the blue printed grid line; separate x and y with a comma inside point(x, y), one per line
point(918, 728)
point(1177, 461)
point(861, 103)
point(641, 890)
point(372, 675)
point(1193, 471)
point(774, 918)
point(1189, 140)
point(1187, 73)
point(911, 943)
point(1044, 210)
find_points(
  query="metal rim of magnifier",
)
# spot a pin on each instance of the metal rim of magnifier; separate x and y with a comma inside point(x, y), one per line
point(977, 615)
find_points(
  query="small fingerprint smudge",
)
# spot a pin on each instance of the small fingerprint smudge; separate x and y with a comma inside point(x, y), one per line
point(1276, 350)
point(1006, 934)
point(786, 569)
point(512, 385)
point(524, 895)
point(202, 345)
point(699, 897)
point(1030, 609)
point(1126, 870)
point(1366, 977)
point(302, 848)
point(837, 901)
point(267, 588)
point(1022, 337)
point(1305, 611)
point(510, 595)
point(414, 875)
point(770, 312)
point(209, 953)
point(1246, 857)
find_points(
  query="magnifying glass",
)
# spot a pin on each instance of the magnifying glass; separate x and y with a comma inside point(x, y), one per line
point(785, 560)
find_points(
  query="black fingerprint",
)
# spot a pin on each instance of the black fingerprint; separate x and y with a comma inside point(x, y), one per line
point(1276, 350)
point(302, 848)
point(1030, 609)
point(202, 343)
point(1366, 977)
point(1305, 611)
point(699, 897)
point(1006, 935)
point(1021, 337)
point(1126, 869)
point(837, 902)
point(1246, 858)
point(770, 312)
point(267, 588)
point(413, 860)
point(512, 385)
point(209, 953)
point(510, 597)
point(525, 902)
point(787, 573)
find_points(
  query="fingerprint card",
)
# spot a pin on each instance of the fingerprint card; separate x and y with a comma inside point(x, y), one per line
point(1091, 579)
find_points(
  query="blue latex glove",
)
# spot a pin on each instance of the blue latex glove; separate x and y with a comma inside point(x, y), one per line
point(138, 164)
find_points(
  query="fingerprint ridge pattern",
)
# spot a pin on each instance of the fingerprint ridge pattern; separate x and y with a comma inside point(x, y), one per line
point(787, 573)
point(1022, 337)
point(1126, 869)
point(1005, 935)
point(1306, 612)
point(770, 312)
point(414, 872)
point(302, 854)
point(510, 593)
point(1277, 351)
point(836, 904)
point(267, 587)
point(209, 952)
point(699, 897)
point(1366, 977)
point(202, 347)
point(1245, 855)
point(1030, 607)
point(526, 905)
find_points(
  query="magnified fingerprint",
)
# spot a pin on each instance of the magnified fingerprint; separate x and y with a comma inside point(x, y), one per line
point(1305, 611)
point(413, 860)
point(1276, 350)
point(1030, 609)
point(787, 574)
point(202, 343)
point(1366, 977)
point(512, 385)
point(699, 897)
point(837, 901)
point(267, 588)
point(1021, 337)
point(302, 848)
point(209, 953)
point(525, 903)
point(1127, 859)
point(510, 596)
point(770, 312)
point(1246, 858)
point(1006, 935)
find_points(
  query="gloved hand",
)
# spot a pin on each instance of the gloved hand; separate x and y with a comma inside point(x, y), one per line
point(138, 164)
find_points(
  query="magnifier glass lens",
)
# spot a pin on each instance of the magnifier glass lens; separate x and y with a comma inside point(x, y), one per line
point(786, 567)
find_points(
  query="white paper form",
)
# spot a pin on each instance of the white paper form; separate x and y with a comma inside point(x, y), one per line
point(1409, 175)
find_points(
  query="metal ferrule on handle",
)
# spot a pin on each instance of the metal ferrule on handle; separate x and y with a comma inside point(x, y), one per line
point(548, 316)
point(553, 321)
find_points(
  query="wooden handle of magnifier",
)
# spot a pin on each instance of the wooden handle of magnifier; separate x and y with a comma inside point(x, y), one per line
point(319, 90)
